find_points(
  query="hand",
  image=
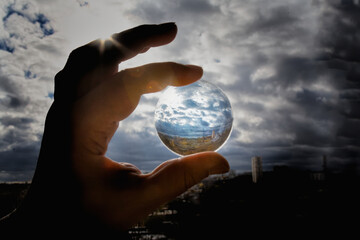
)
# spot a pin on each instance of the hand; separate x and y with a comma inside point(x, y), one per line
point(73, 174)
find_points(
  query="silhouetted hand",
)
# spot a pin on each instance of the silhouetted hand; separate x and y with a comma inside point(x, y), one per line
point(75, 185)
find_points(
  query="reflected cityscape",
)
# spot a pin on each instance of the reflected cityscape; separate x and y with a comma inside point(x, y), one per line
point(189, 145)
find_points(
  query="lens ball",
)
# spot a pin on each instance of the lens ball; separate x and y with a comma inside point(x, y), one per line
point(193, 118)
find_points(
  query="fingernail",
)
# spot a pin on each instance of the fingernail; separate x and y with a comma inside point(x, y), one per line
point(197, 69)
point(221, 166)
point(220, 169)
point(168, 25)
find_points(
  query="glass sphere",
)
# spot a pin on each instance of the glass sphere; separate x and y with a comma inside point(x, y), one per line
point(193, 118)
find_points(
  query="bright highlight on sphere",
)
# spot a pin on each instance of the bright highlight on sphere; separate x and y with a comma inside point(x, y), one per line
point(194, 118)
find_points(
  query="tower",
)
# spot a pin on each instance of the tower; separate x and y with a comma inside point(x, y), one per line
point(324, 164)
point(256, 166)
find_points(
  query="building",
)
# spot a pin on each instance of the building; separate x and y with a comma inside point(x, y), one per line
point(256, 167)
point(324, 164)
point(321, 175)
point(213, 134)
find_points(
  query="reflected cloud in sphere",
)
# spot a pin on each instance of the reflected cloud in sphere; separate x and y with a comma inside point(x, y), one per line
point(193, 118)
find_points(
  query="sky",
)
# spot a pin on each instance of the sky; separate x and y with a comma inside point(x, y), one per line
point(291, 70)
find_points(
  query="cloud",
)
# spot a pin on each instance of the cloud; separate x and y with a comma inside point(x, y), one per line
point(83, 3)
point(22, 23)
point(341, 53)
point(22, 164)
point(162, 11)
point(26, 76)
point(285, 96)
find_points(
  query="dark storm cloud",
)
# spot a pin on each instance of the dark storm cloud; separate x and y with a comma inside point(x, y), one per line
point(340, 41)
point(21, 122)
point(15, 132)
point(292, 69)
point(165, 10)
point(22, 158)
point(6, 45)
point(197, 7)
point(18, 153)
point(341, 22)
point(13, 102)
point(279, 21)
point(317, 86)
point(12, 97)
point(349, 132)
point(6, 83)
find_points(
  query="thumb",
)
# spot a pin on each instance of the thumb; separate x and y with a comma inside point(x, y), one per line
point(175, 176)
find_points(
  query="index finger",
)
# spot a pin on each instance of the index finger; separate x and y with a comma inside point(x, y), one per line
point(109, 53)
point(129, 43)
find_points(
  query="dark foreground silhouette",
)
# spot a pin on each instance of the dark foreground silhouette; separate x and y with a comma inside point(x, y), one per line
point(285, 203)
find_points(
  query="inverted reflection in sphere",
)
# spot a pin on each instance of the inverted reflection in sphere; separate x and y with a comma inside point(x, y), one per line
point(193, 118)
